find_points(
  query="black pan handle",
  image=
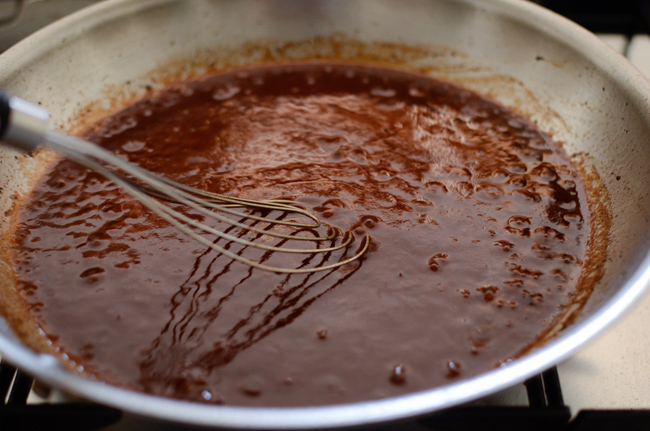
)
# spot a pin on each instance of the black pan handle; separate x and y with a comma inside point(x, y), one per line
point(22, 124)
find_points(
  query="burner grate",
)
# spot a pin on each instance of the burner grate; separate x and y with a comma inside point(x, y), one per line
point(16, 414)
point(546, 411)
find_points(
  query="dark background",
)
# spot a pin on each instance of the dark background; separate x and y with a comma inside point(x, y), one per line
point(605, 16)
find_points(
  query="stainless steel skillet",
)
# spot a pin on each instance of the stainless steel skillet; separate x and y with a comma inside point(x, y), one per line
point(589, 97)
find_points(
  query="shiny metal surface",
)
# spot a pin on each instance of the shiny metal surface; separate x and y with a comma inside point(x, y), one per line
point(27, 124)
point(573, 85)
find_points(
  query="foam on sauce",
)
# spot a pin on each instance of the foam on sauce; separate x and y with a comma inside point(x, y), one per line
point(479, 224)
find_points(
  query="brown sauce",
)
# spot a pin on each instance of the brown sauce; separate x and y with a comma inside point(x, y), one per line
point(479, 224)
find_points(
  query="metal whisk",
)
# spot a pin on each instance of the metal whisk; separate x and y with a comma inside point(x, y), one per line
point(24, 125)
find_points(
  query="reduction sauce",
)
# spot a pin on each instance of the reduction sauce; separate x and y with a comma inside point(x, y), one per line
point(478, 223)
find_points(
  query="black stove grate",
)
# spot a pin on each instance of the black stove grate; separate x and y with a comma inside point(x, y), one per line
point(16, 414)
point(546, 411)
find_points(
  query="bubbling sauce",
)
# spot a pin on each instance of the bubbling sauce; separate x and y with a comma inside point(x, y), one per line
point(478, 221)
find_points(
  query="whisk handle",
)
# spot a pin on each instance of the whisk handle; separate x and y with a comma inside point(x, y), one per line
point(22, 124)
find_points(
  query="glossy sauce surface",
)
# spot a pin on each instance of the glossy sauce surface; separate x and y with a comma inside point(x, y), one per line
point(478, 223)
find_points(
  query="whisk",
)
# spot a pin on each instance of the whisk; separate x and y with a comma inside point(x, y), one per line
point(24, 125)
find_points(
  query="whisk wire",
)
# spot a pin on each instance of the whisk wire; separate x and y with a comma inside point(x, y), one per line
point(200, 205)
point(225, 201)
point(164, 189)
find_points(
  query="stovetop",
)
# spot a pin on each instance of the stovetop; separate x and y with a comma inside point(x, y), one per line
point(604, 386)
